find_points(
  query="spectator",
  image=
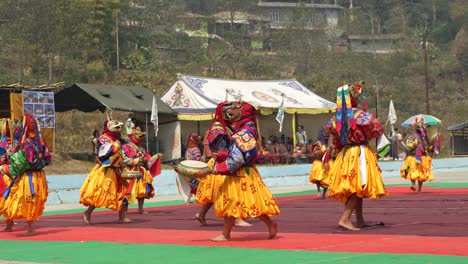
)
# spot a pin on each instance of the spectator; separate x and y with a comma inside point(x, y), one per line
point(396, 139)
point(301, 136)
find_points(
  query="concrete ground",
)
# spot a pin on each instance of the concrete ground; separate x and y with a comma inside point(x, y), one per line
point(441, 177)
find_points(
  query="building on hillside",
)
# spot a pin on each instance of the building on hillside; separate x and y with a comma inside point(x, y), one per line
point(377, 43)
point(459, 139)
point(320, 14)
point(239, 29)
point(234, 29)
point(315, 16)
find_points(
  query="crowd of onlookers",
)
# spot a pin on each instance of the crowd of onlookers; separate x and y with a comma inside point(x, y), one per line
point(282, 150)
point(276, 149)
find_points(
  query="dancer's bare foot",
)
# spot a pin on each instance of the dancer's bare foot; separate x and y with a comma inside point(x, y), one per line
point(413, 188)
point(142, 211)
point(241, 222)
point(370, 224)
point(86, 218)
point(221, 238)
point(125, 220)
point(348, 225)
point(9, 226)
point(200, 219)
point(7, 229)
point(29, 233)
point(273, 229)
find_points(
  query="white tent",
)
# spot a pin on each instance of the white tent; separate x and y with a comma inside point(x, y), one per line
point(195, 99)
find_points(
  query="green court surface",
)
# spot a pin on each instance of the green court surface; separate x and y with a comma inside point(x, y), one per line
point(98, 252)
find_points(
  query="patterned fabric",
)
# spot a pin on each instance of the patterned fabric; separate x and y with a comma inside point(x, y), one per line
point(209, 186)
point(109, 152)
point(134, 159)
point(27, 192)
point(412, 169)
point(245, 194)
point(344, 113)
point(355, 171)
point(32, 144)
point(320, 173)
point(27, 197)
point(5, 140)
point(103, 187)
point(4, 182)
point(243, 150)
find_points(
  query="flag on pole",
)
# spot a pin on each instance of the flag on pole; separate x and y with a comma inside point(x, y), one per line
point(154, 115)
point(383, 146)
point(280, 115)
point(392, 118)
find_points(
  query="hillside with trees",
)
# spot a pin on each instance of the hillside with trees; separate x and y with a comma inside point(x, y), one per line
point(147, 42)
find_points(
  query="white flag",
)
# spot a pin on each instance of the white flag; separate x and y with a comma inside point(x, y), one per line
point(383, 146)
point(154, 115)
point(280, 115)
point(392, 118)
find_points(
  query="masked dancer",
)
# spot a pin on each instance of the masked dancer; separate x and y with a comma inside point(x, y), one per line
point(243, 193)
point(418, 164)
point(26, 194)
point(137, 159)
point(356, 174)
point(218, 138)
point(103, 187)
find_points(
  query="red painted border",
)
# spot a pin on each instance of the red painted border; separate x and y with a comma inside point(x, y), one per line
point(288, 241)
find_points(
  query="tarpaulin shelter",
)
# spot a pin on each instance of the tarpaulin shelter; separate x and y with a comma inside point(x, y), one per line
point(91, 97)
point(11, 105)
point(195, 98)
point(459, 139)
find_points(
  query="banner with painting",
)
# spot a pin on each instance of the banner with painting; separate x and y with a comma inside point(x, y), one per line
point(170, 145)
point(41, 105)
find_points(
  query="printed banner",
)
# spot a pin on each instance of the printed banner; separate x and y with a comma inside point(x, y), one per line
point(41, 105)
point(171, 145)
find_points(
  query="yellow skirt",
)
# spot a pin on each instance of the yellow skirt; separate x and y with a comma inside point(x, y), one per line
point(208, 187)
point(320, 174)
point(21, 203)
point(413, 170)
point(101, 189)
point(144, 187)
point(6, 180)
point(427, 164)
point(355, 171)
point(245, 196)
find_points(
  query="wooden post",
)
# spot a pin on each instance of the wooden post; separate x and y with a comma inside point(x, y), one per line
point(294, 129)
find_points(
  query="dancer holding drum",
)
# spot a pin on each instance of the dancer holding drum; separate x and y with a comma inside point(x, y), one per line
point(103, 186)
point(243, 193)
point(137, 174)
point(219, 140)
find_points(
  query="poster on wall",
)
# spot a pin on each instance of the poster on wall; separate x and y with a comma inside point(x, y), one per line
point(170, 144)
point(41, 105)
